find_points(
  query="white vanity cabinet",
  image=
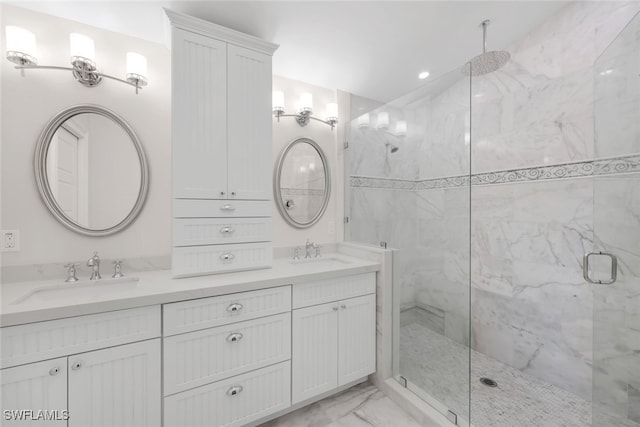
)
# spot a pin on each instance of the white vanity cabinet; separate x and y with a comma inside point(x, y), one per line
point(221, 148)
point(333, 333)
point(227, 358)
point(104, 369)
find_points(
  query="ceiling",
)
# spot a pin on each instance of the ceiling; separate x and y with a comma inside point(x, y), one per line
point(373, 49)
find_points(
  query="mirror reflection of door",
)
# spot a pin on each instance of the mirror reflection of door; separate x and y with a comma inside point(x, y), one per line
point(67, 171)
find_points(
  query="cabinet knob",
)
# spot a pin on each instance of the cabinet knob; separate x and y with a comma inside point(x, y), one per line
point(227, 230)
point(228, 256)
point(235, 390)
point(343, 306)
point(76, 366)
point(235, 307)
point(335, 308)
point(227, 207)
point(233, 193)
point(54, 371)
point(222, 193)
point(234, 337)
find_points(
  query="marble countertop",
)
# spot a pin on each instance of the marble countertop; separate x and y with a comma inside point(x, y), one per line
point(157, 287)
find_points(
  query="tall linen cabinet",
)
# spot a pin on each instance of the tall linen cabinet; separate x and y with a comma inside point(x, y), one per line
point(221, 148)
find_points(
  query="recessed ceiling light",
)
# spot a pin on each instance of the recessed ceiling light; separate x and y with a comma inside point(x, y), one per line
point(423, 75)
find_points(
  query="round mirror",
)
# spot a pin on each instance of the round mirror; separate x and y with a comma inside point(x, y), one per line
point(91, 170)
point(302, 183)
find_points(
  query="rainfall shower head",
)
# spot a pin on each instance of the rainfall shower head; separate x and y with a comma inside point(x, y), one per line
point(487, 62)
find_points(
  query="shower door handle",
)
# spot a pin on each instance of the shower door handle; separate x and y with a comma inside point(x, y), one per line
point(614, 268)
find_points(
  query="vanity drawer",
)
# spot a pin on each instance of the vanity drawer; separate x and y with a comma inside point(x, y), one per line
point(201, 260)
point(201, 357)
point(323, 291)
point(55, 338)
point(192, 315)
point(236, 401)
point(216, 231)
point(200, 208)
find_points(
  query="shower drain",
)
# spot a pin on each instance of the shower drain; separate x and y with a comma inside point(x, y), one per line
point(488, 382)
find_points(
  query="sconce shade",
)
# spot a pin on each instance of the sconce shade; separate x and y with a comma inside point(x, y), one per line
point(332, 111)
point(277, 101)
point(383, 120)
point(401, 128)
point(136, 69)
point(306, 103)
point(21, 45)
point(82, 46)
point(363, 121)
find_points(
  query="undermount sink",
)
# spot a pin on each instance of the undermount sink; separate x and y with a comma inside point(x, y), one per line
point(83, 289)
point(321, 260)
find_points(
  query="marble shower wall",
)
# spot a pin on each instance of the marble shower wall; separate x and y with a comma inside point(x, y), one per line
point(530, 215)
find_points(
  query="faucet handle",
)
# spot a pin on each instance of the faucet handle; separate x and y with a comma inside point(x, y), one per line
point(71, 272)
point(317, 248)
point(296, 253)
point(117, 269)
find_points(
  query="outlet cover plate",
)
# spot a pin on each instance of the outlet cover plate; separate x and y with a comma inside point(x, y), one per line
point(10, 240)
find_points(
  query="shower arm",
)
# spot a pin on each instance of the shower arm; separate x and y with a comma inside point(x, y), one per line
point(484, 26)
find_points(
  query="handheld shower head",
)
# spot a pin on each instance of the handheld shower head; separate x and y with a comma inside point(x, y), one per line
point(393, 148)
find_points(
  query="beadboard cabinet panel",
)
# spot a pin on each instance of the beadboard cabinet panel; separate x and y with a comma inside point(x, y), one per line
point(356, 338)
point(36, 386)
point(199, 132)
point(233, 402)
point(201, 357)
point(117, 386)
point(249, 124)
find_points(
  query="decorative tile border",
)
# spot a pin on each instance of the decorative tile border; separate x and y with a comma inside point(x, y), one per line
point(596, 167)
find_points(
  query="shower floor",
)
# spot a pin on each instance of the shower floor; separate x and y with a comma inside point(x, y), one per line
point(439, 366)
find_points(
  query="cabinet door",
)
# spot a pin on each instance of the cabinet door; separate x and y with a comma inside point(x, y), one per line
point(357, 338)
point(249, 125)
point(117, 386)
point(35, 387)
point(199, 99)
point(314, 357)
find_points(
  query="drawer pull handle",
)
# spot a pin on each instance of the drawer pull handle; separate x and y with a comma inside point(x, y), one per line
point(227, 256)
point(76, 366)
point(235, 390)
point(236, 306)
point(234, 337)
point(227, 230)
point(54, 371)
point(227, 207)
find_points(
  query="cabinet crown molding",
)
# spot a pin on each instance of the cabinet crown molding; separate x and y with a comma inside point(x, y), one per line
point(209, 29)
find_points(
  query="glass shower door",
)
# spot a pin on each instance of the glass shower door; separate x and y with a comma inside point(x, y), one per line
point(616, 305)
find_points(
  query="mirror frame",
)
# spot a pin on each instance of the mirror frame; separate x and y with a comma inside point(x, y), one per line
point(278, 174)
point(42, 181)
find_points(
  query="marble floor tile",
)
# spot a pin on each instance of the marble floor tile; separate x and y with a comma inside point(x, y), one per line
point(362, 405)
point(439, 366)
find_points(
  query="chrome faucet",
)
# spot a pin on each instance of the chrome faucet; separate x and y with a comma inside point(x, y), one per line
point(307, 249)
point(71, 272)
point(94, 263)
point(296, 253)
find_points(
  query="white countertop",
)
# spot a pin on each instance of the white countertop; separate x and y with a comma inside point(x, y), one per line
point(157, 287)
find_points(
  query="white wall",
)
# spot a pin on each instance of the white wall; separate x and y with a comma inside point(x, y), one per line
point(29, 102)
point(327, 228)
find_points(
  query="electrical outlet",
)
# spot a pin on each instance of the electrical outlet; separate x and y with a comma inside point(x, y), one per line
point(10, 240)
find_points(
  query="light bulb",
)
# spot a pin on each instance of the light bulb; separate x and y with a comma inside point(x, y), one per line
point(21, 45)
point(82, 46)
point(306, 103)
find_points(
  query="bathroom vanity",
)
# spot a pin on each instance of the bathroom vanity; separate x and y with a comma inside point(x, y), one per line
point(232, 349)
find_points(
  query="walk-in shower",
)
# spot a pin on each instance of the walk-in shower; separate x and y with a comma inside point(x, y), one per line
point(503, 181)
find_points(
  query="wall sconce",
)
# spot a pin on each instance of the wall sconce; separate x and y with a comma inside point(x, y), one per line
point(383, 124)
point(305, 110)
point(21, 50)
